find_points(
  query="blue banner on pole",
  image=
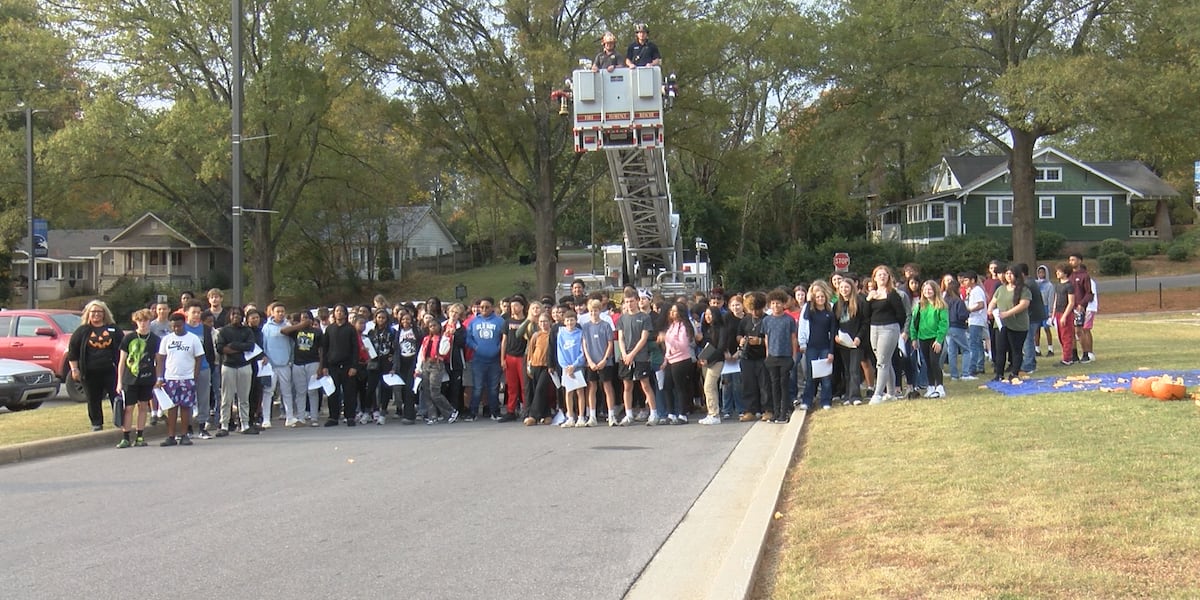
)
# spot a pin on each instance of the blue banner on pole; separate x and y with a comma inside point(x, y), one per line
point(41, 246)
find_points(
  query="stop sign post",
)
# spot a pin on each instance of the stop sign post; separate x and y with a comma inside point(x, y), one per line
point(841, 262)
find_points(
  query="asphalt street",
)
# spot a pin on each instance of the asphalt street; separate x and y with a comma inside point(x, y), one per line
point(469, 510)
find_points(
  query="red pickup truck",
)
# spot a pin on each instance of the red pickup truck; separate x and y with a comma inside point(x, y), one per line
point(41, 337)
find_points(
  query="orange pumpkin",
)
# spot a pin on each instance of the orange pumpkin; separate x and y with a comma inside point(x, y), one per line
point(1167, 389)
point(1142, 386)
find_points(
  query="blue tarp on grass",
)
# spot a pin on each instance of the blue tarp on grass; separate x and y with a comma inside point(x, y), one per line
point(1079, 382)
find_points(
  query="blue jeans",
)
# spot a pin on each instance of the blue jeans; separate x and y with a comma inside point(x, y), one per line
point(731, 394)
point(826, 383)
point(487, 377)
point(973, 364)
point(956, 343)
point(1029, 360)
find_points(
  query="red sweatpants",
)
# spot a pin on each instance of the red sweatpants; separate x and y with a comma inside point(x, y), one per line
point(1066, 334)
point(514, 382)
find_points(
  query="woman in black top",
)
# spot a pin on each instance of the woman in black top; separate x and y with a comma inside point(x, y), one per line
point(92, 352)
point(379, 394)
point(850, 312)
point(713, 332)
point(887, 317)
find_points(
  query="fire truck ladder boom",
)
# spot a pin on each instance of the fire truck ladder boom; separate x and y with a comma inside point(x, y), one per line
point(620, 112)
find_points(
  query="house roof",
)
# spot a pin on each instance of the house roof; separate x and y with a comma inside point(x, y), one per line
point(967, 168)
point(132, 239)
point(69, 244)
point(1136, 175)
point(404, 221)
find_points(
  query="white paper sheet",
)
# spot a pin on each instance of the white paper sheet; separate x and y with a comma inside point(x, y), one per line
point(731, 366)
point(555, 378)
point(821, 368)
point(371, 351)
point(253, 353)
point(416, 384)
point(392, 379)
point(573, 382)
point(164, 400)
point(844, 339)
point(661, 377)
point(266, 370)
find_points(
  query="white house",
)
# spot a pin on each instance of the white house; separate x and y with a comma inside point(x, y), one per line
point(412, 232)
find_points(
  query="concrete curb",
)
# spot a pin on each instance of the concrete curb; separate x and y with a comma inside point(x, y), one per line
point(715, 550)
point(66, 445)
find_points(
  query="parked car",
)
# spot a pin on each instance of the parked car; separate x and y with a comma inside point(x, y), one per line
point(41, 337)
point(25, 385)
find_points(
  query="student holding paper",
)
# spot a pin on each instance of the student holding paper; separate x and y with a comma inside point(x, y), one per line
point(928, 327)
point(714, 336)
point(571, 361)
point(383, 340)
point(180, 356)
point(537, 363)
point(404, 363)
point(818, 351)
point(233, 342)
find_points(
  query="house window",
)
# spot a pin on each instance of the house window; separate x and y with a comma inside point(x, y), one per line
point(937, 211)
point(1046, 207)
point(999, 211)
point(74, 271)
point(918, 213)
point(1097, 211)
point(1053, 174)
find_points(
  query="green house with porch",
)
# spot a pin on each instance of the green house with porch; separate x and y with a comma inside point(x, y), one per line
point(1084, 201)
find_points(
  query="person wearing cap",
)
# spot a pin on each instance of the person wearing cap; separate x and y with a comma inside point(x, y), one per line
point(642, 52)
point(608, 58)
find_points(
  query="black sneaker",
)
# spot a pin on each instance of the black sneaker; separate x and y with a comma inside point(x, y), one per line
point(507, 418)
point(249, 431)
point(185, 440)
point(222, 432)
point(331, 423)
point(351, 423)
point(469, 419)
point(170, 441)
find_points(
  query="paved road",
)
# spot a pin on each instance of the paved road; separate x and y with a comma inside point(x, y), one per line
point(1126, 284)
point(451, 511)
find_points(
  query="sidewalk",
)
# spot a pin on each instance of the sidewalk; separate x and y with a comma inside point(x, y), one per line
point(715, 550)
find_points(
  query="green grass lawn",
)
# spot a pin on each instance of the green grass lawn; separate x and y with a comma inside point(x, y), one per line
point(1065, 495)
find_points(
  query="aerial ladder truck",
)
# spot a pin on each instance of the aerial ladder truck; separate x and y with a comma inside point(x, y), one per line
point(620, 113)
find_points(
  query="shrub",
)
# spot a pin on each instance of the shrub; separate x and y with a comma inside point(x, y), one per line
point(1048, 244)
point(126, 296)
point(1141, 250)
point(1178, 252)
point(1092, 251)
point(1116, 263)
point(1110, 246)
point(957, 254)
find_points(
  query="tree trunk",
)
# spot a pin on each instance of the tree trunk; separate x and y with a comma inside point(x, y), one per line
point(262, 261)
point(546, 241)
point(1162, 221)
point(1024, 206)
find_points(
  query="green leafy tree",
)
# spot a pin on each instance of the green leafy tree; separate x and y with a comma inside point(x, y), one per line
point(1010, 72)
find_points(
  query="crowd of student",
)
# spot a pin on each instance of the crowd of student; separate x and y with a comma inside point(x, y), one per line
point(579, 360)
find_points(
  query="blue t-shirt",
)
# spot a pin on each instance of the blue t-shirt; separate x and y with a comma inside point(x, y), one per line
point(780, 329)
point(199, 333)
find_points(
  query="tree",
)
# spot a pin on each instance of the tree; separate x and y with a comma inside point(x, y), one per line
point(1010, 72)
point(163, 125)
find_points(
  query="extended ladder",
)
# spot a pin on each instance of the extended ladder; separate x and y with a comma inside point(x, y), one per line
point(621, 113)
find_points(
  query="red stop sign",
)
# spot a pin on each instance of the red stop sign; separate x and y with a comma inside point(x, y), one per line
point(841, 261)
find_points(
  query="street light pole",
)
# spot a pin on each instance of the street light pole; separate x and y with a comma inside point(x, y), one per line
point(236, 169)
point(29, 206)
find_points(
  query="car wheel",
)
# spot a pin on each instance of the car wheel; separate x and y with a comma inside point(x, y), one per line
point(21, 407)
point(75, 389)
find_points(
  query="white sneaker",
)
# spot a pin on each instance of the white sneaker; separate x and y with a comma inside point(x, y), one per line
point(363, 418)
point(315, 423)
point(289, 423)
point(652, 419)
point(941, 392)
point(570, 422)
point(612, 419)
point(876, 400)
point(672, 419)
point(888, 398)
point(931, 392)
point(380, 419)
point(581, 422)
point(626, 421)
point(266, 424)
point(683, 419)
point(710, 420)
point(591, 422)
point(803, 407)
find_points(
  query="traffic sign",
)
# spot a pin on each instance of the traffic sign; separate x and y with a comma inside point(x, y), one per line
point(841, 261)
